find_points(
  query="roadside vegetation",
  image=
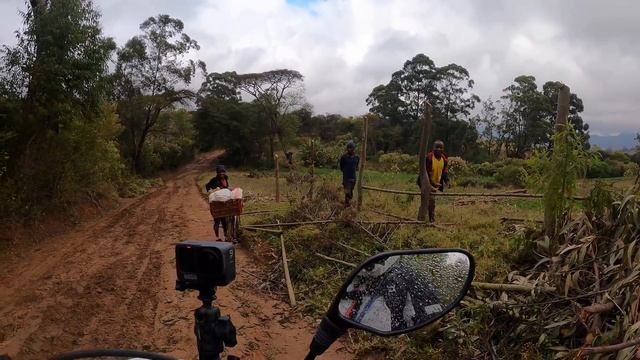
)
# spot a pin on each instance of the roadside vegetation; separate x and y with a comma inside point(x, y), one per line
point(75, 129)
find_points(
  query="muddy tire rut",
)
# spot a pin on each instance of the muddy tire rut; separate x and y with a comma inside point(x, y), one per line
point(110, 283)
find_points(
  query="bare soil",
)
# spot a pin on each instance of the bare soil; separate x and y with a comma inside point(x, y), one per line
point(109, 283)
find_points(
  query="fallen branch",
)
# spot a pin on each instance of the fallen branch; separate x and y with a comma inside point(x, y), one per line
point(260, 229)
point(516, 191)
point(415, 193)
point(610, 348)
point(509, 219)
point(602, 308)
point(287, 278)
point(392, 215)
point(512, 287)
point(372, 235)
point(336, 260)
point(262, 212)
point(297, 223)
point(353, 249)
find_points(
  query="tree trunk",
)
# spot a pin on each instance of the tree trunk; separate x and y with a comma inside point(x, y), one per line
point(425, 185)
point(553, 203)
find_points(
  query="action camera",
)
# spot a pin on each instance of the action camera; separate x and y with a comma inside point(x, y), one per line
point(203, 265)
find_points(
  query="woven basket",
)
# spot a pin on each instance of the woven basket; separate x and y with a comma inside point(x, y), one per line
point(227, 208)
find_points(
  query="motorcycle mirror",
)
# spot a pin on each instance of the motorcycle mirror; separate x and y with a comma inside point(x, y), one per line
point(396, 292)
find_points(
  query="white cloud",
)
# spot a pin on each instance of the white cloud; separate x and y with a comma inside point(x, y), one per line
point(345, 48)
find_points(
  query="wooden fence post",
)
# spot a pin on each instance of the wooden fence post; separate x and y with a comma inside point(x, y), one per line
point(553, 206)
point(277, 159)
point(363, 160)
point(425, 184)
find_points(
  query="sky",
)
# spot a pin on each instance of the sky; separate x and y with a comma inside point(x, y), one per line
point(345, 48)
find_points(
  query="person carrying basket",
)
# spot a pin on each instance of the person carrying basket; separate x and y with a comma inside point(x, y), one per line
point(220, 181)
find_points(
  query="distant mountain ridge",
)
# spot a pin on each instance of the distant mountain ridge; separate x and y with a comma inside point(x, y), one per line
point(614, 142)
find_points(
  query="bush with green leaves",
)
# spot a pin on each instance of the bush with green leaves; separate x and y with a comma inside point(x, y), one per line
point(632, 170)
point(599, 168)
point(511, 175)
point(458, 167)
point(398, 162)
point(321, 154)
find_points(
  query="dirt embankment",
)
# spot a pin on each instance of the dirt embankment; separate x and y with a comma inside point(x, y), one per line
point(110, 283)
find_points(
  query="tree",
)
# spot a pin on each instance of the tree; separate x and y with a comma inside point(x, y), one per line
point(489, 121)
point(220, 86)
point(58, 135)
point(238, 127)
point(523, 113)
point(151, 77)
point(529, 115)
point(278, 92)
point(448, 88)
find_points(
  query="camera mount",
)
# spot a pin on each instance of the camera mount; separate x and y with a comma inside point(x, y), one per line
point(213, 331)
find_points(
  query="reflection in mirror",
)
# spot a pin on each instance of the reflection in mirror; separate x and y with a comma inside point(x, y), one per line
point(398, 292)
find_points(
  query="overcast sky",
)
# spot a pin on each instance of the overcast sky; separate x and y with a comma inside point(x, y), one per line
point(345, 48)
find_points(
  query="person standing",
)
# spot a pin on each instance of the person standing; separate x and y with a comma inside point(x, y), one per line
point(437, 171)
point(220, 181)
point(349, 162)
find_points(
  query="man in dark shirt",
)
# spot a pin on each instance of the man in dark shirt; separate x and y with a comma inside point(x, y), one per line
point(349, 166)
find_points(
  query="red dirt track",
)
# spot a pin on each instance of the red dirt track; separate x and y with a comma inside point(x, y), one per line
point(110, 284)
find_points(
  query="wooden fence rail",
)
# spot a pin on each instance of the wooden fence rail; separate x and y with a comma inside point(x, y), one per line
point(459, 194)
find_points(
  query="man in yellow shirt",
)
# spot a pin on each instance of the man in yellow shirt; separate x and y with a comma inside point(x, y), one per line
point(437, 169)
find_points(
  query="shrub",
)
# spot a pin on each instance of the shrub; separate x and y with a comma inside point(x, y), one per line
point(458, 167)
point(321, 154)
point(604, 169)
point(487, 182)
point(631, 170)
point(511, 175)
point(398, 162)
point(485, 169)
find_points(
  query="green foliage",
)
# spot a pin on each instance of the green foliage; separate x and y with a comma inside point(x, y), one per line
point(599, 168)
point(151, 77)
point(631, 170)
point(58, 139)
point(319, 154)
point(458, 167)
point(278, 93)
point(399, 105)
point(235, 126)
point(327, 127)
point(398, 162)
point(511, 175)
point(556, 174)
point(83, 160)
point(528, 115)
point(170, 144)
point(487, 182)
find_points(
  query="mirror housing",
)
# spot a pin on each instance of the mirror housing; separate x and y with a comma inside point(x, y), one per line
point(337, 320)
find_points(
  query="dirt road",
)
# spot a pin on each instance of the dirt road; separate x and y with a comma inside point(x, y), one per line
point(110, 283)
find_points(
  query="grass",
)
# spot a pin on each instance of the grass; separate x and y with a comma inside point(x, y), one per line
point(473, 224)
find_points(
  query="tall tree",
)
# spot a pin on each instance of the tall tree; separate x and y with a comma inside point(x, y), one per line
point(151, 77)
point(278, 92)
point(448, 88)
point(489, 121)
point(529, 115)
point(523, 116)
point(58, 65)
point(58, 135)
point(221, 86)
